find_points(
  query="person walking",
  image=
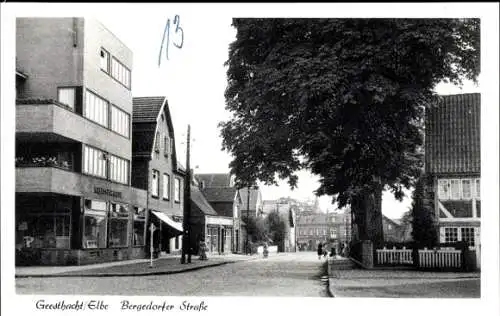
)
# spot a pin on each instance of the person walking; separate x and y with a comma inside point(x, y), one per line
point(203, 249)
point(320, 250)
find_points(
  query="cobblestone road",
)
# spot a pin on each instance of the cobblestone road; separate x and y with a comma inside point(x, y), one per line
point(295, 274)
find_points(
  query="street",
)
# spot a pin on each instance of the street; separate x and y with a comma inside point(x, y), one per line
point(290, 274)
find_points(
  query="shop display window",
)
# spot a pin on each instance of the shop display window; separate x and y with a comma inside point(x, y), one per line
point(118, 225)
point(94, 224)
point(139, 226)
point(43, 222)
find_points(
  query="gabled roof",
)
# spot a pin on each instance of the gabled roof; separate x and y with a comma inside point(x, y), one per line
point(214, 180)
point(146, 109)
point(452, 134)
point(199, 199)
point(254, 195)
point(226, 194)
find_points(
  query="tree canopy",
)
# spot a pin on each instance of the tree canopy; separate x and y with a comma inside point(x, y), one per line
point(343, 98)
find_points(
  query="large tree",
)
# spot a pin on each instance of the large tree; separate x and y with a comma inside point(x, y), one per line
point(343, 98)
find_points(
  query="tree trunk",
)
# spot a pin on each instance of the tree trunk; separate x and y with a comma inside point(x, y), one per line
point(367, 209)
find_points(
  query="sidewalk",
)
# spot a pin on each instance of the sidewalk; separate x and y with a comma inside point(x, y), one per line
point(139, 267)
point(402, 283)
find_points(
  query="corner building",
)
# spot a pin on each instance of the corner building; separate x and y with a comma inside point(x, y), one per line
point(74, 201)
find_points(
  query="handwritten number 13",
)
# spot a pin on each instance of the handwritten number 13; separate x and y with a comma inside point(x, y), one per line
point(166, 33)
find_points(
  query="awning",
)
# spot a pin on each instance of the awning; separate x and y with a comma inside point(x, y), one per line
point(167, 220)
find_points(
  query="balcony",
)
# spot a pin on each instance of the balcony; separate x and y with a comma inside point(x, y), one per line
point(49, 179)
point(44, 161)
point(45, 120)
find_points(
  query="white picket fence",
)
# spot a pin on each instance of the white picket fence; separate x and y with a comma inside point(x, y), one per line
point(442, 258)
point(428, 258)
point(394, 256)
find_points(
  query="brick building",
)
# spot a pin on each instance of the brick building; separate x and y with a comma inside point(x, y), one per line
point(74, 199)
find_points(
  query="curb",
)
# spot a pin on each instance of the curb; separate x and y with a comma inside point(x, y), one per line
point(62, 275)
point(332, 294)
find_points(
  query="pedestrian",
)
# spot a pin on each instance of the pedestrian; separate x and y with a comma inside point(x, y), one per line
point(320, 251)
point(203, 249)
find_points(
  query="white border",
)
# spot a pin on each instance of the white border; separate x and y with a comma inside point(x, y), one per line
point(487, 305)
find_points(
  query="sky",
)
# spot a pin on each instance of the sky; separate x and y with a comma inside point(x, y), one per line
point(193, 78)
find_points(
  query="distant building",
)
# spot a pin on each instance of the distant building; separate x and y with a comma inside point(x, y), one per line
point(313, 229)
point(209, 225)
point(339, 226)
point(226, 202)
point(251, 206)
point(218, 189)
point(453, 166)
point(395, 231)
point(214, 180)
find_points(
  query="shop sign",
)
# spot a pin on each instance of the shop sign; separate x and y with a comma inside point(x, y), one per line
point(108, 192)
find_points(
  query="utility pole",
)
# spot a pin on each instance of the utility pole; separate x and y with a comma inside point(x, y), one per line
point(248, 219)
point(186, 237)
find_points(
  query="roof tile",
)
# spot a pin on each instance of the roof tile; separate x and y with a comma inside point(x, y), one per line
point(452, 134)
point(219, 194)
point(199, 199)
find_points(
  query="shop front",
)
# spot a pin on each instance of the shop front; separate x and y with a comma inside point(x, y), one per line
point(167, 234)
point(218, 238)
point(105, 224)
